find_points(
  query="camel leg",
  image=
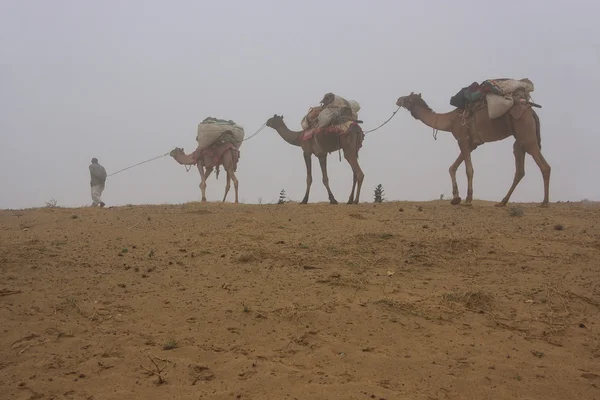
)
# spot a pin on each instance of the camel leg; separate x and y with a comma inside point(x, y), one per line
point(228, 165)
point(453, 168)
point(519, 153)
point(359, 175)
point(354, 181)
point(350, 147)
point(231, 177)
point(466, 153)
point(526, 131)
point(308, 162)
point(541, 162)
point(227, 185)
point(235, 185)
point(204, 174)
point(323, 162)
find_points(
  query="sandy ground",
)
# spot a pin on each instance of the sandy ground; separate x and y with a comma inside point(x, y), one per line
point(393, 301)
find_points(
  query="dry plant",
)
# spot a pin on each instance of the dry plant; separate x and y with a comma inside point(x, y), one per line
point(155, 370)
point(562, 310)
point(516, 212)
point(52, 203)
point(170, 345)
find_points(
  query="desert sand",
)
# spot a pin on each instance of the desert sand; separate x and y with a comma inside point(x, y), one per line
point(389, 301)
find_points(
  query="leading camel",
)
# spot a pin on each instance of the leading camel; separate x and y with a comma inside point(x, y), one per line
point(321, 145)
point(521, 122)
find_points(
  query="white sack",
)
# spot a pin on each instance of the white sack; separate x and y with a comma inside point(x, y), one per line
point(498, 105)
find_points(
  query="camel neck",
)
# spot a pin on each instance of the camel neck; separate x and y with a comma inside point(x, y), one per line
point(289, 136)
point(442, 122)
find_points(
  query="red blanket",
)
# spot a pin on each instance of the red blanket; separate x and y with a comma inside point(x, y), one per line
point(339, 130)
point(212, 156)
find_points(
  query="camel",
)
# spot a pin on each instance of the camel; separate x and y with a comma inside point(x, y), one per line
point(207, 162)
point(521, 122)
point(321, 145)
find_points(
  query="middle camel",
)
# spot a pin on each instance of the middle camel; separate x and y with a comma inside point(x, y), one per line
point(343, 133)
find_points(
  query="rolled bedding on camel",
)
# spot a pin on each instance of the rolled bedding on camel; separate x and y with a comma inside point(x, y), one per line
point(212, 129)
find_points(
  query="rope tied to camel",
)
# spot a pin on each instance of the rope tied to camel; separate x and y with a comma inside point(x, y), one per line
point(256, 133)
point(140, 163)
point(435, 131)
point(166, 154)
point(388, 120)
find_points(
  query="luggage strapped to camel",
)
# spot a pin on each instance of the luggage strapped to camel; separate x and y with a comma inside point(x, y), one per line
point(497, 95)
point(216, 136)
point(334, 115)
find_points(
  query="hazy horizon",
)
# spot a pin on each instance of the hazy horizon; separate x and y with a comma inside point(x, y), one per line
point(128, 81)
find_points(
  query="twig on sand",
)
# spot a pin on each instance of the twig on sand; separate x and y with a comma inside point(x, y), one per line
point(161, 359)
point(584, 298)
point(133, 226)
point(530, 255)
point(7, 292)
point(97, 312)
point(103, 272)
point(31, 345)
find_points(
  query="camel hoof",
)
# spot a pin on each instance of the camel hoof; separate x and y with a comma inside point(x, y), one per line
point(500, 205)
point(203, 200)
point(304, 202)
point(350, 202)
point(333, 201)
point(544, 205)
point(455, 201)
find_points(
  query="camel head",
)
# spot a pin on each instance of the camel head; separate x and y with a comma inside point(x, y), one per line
point(409, 101)
point(274, 121)
point(328, 99)
point(176, 151)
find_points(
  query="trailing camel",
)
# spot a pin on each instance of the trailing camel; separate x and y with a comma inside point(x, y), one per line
point(207, 161)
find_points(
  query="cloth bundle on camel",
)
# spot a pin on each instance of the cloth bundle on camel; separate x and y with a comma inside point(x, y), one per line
point(498, 94)
point(213, 130)
point(215, 137)
point(212, 155)
point(335, 115)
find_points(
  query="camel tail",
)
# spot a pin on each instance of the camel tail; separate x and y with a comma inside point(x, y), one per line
point(217, 173)
point(537, 129)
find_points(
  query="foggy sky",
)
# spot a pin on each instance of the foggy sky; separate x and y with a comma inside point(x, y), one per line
point(125, 81)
